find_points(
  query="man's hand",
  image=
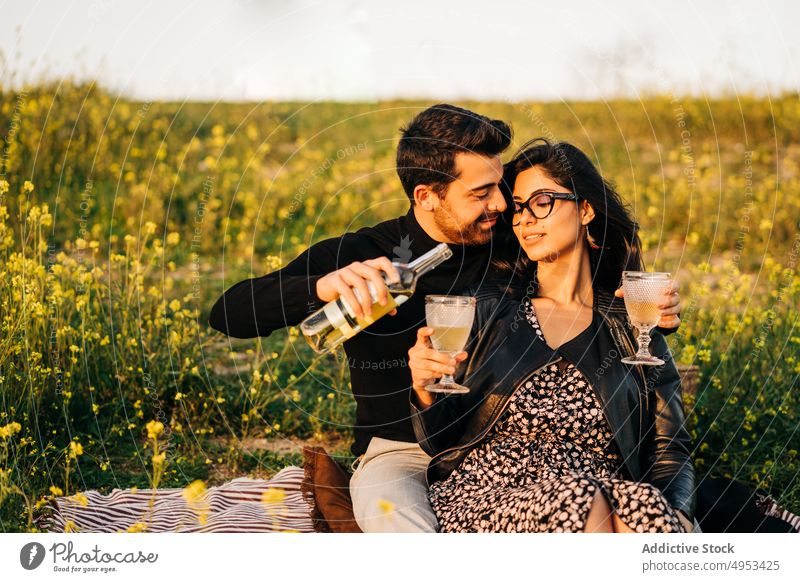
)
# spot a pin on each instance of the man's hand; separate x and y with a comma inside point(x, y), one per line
point(356, 276)
point(428, 365)
point(670, 307)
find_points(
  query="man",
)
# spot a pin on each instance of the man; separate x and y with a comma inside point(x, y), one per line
point(448, 161)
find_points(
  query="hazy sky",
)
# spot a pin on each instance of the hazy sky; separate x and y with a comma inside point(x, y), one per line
point(360, 49)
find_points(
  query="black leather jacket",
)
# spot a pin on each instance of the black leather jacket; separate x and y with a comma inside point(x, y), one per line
point(642, 404)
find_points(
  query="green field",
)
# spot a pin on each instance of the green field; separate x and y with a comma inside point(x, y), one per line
point(121, 222)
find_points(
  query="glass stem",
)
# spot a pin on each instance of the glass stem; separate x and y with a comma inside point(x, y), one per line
point(447, 379)
point(644, 343)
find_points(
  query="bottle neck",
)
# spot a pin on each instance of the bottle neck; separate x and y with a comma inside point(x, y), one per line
point(431, 259)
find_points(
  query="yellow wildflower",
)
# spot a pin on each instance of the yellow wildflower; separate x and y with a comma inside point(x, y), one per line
point(81, 498)
point(158, 460)
point(194, 491)
point(75, 450)
point(10, 430)
point(386, 507)
point(273, 495)
point(28, 186)
point(154, 428)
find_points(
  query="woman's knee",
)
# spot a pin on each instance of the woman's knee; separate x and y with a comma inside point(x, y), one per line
point(600, 515)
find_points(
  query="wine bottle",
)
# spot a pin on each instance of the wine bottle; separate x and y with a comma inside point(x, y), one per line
point(336, 322)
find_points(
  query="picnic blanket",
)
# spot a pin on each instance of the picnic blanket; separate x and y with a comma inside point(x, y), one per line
point(770, 508)
point(241, 505)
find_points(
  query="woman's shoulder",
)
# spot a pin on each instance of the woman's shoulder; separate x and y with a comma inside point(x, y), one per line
point(609, 304)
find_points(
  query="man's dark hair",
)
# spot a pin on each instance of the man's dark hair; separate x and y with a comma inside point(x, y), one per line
point(427, 150)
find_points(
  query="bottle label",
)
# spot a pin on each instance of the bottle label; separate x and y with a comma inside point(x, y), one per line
point(337, 319)
point(378, 310)
point(372, 292)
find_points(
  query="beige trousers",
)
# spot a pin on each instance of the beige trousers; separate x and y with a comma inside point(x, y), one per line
point(389, 490)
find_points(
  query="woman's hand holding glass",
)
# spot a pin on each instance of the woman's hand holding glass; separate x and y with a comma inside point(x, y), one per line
point(427, 365)
point(670, 308)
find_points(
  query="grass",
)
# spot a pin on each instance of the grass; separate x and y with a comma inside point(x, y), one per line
point(121, 222)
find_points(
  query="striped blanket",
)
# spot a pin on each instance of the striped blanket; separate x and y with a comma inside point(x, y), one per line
point(768, 506)
point(240, 505)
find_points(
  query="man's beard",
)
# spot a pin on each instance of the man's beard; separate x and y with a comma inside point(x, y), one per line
point(470, 234)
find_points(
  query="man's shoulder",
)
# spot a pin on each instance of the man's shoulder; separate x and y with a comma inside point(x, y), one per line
point(386, 227)
point(367, 241)
point(384, 234)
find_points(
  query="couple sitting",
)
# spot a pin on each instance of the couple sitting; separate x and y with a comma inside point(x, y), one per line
point(556, 433)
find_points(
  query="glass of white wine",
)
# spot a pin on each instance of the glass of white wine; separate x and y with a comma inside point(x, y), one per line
point(451, 318)
point(643, 293)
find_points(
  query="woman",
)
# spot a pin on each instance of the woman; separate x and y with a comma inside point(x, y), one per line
point(556, 433)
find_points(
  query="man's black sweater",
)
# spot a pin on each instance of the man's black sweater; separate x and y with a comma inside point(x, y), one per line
point(378, 355)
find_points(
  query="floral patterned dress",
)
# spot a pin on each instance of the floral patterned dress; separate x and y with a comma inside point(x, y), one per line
point(539, 467)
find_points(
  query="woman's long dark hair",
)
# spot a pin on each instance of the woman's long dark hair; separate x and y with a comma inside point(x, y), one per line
point(613, 228)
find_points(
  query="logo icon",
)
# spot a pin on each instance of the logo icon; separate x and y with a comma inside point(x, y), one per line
point(31, 555)
point(402, 253)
